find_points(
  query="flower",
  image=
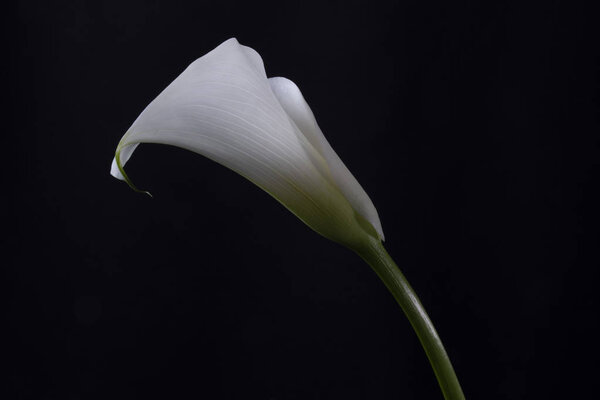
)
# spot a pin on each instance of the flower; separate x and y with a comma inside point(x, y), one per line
point(224, 107)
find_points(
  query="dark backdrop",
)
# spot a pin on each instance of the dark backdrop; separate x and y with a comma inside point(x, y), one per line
point(474, 129)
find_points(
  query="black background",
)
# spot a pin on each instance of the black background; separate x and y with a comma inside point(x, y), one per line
point(472, 125)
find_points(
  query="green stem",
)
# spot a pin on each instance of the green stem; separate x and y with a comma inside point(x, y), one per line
point(377, 257)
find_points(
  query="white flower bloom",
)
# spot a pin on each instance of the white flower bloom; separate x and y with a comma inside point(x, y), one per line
point(224, 107)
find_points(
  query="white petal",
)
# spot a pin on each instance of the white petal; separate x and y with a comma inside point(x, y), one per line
point(298, 110)
point(222, 106)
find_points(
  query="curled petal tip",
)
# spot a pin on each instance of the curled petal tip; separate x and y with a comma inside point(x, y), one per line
point(118, 172)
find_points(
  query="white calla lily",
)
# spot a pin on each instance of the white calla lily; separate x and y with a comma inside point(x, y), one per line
point(224, 107)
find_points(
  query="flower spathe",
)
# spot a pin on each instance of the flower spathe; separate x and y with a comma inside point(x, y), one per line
point(224, 107)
